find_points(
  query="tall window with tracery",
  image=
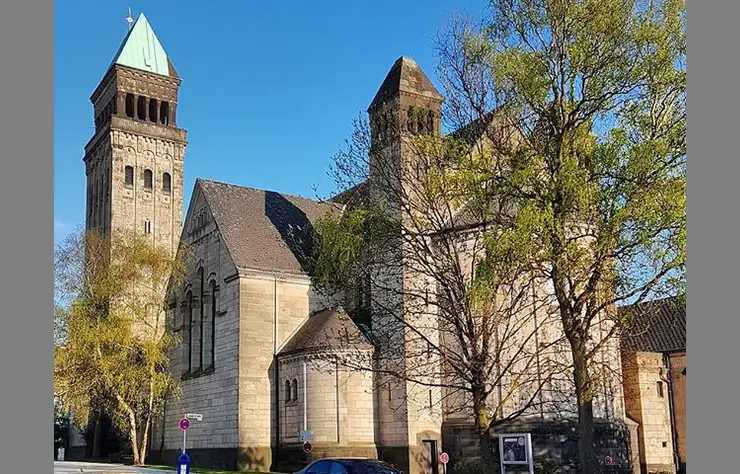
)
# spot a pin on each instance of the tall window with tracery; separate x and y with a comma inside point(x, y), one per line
point(214, 295)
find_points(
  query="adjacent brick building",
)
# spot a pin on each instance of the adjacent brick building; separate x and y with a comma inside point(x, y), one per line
point(654, 365)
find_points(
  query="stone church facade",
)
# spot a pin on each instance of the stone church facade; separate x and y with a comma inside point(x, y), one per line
point(253, 333)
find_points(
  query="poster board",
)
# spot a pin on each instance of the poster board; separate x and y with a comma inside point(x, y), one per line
point(515, 450)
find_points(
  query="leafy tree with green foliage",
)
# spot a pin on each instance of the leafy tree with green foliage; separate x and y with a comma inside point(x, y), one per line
point(114, 353)
point(594, 93)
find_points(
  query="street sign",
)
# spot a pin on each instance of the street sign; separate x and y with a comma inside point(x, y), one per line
point(306, 436)
point(307, 447)
point(194, 416)
point(444, 458)
point(184, 424)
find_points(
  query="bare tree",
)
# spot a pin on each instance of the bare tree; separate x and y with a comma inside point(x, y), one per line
point(447, 304)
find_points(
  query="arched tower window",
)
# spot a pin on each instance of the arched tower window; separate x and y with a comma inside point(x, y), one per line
point(130, 105)
point(411, 120)
point(295, 389)
point(421, 126)
point(287, 391)
point(164, 113)
point(148, 179)
point(141, 108)
point(153, 110)
point(129, 176)
point(166, 182)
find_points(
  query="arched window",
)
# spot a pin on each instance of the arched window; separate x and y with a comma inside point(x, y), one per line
point(213, 322)
point(166, 182)
point(295, 389)
point(130, 105)
point(141, 108)
point(164, 113)
point(287, 391)
point(147, 226)
point(202, 317)
point(411, 120)
point(153, 110)
point(129, 176)
point(148, 179)
point(190, 330)
point(421, 126)
point(430, 122)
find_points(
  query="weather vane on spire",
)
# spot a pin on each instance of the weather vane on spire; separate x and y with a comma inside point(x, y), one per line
point(129, 19)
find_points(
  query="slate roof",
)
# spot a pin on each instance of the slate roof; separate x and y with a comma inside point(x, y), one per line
point(264, 230)
point(354, 196)
point(329, 328)
point(657, 326)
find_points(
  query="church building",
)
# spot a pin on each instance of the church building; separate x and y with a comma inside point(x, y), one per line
point(253, 333)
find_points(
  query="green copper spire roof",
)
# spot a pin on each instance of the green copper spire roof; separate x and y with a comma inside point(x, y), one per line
point(142, 50)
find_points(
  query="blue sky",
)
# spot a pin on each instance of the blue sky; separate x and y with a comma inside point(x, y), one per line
point(269, 88)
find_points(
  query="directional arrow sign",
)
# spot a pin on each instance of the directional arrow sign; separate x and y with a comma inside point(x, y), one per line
point(194, 416)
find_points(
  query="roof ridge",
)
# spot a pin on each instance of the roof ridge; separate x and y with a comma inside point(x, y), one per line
point(242, 186)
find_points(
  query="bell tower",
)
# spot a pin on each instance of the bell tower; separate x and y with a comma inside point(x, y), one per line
point(409, 431)
point(134, 161)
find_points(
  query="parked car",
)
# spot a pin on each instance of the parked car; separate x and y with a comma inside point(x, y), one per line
point(349, 466)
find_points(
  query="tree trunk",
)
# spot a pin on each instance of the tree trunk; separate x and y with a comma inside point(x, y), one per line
point(148, 421)
point(486, 449)
point(145, 440)
point(97, 435)
point(483, 429)
point(133, 435)
point(584, 397)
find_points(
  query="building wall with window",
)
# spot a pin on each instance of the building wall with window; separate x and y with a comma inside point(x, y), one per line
point(333, 403)
point(205, 356)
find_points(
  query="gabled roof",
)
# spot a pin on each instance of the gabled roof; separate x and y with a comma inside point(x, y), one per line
point(264, 230)
point(405, 76)
point(142, 50)
point(354, 196)
point(655, 326)
point(327, 329)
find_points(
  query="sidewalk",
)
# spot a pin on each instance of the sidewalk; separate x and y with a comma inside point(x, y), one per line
point(76, 467)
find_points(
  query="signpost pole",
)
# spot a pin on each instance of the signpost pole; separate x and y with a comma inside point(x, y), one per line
point(184, 438)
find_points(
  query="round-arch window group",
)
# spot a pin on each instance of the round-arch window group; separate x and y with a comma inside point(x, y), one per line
point(128, 177)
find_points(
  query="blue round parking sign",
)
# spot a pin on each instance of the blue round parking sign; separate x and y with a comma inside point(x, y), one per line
point(183, 464)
